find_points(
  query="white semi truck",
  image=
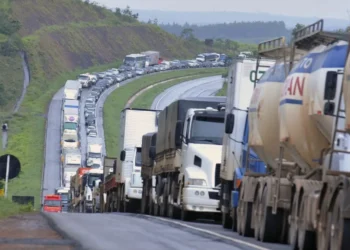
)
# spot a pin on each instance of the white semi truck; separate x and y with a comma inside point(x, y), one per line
point(241, 81)
point(72, 90)
point(94, 152)
point(124, 188)
point(300, 129)
point(89, 184)
point(71, 161)
point(70, 111)
point(187, 156)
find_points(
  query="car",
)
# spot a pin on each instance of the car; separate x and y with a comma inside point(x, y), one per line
point(90, 106)
point(88, 112)
point(133, 72)
point(110, 81)
point(92, 133)
point(90, 120)
point(90, 128)
point(140, 72)
point(90, 100)
point(129, 74)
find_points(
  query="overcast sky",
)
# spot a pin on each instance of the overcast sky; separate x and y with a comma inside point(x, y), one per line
point(319, 8)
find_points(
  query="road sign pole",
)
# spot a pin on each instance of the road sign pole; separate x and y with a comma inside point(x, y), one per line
point(7, 174)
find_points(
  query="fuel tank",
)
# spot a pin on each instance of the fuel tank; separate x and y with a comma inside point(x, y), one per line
point(305, 129)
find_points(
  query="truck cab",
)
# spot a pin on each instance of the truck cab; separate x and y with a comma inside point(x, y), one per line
point(65, 197)
point(85, 80)
point(88, 181)
point(131, 158)
point(200, 138)
point(52, 204)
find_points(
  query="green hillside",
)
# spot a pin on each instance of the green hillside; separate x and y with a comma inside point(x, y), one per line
point(61, 38)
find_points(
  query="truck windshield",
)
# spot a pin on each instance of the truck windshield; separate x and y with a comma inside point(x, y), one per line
point(92, 178)
point(94, 155)
point(52, 203)
point(129, 60)
point(207, 129)
point(138, 157)
point(83, 77)
point(64, 196)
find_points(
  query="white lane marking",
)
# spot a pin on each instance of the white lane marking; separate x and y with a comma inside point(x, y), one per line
point(212, 233)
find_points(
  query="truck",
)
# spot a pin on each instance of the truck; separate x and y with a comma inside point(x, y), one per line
point(70, 111)
point(148, 179)
point(124, 188)
point(65, 198)
point(72, 90)
point(242, 76)
point(88, 185)
point(86, 80)
point(70, 139)
point(52, 203)
point(77, 189)
point(71, 162)
point(302, 199)
point(187, 158)
point(152, 57)
point(108, 181)
point(94, 152)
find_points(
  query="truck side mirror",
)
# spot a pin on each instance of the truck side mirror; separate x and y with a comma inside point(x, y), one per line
point(329, 108)
point(152, 152)
point(115, 167)
point(330, 85)
point(93, 183)
point(122, 155)
point(178, 133)
point(230, 123)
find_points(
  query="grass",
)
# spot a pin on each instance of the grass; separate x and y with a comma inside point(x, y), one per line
point(145, 100)
point(115, 102)
point(11, 75)
point(223, 90)
point(9, 208)
point(27, 134)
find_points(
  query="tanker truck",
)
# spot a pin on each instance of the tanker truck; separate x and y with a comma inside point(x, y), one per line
point(187, 156)
point(302, 199)
point(242, 76)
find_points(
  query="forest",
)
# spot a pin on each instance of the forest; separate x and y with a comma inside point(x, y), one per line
point(247, 32)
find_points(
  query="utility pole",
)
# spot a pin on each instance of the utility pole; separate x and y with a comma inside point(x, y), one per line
point(7, 174)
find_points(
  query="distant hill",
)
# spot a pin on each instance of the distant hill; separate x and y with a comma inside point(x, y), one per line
point(228, 17)
point(245, 32)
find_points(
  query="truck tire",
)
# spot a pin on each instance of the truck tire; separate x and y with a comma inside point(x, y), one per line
point(144, 201)
point(306, 238)
point(247, 231)
point(226, 220)
point(164, 203)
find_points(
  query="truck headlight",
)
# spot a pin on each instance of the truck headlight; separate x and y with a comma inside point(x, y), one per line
point(196, 182)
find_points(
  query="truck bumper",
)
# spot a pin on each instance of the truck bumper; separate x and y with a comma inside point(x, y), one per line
point(134, 193)
point(201, 200)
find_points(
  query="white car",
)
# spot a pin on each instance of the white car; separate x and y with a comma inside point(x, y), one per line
point(90, 128)
point(92, 133)
point(140, 72)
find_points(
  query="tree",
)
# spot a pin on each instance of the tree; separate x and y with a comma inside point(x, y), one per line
point(155, 21)
point(187, 34)
point(297, 27)
point(209, 42)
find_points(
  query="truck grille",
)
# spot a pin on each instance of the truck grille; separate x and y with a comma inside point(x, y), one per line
point(217, 174)
point(214, 195)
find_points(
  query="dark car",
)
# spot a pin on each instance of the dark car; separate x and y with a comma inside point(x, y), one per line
point(90, 120)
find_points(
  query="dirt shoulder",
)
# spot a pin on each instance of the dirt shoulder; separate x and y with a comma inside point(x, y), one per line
point(31, 231)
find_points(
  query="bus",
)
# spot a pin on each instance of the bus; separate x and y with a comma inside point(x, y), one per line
point(135, 60)
point(208, 57)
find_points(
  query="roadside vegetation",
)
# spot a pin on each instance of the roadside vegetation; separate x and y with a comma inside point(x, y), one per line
point(116, 102)
point(223, 90)
point(8, 208)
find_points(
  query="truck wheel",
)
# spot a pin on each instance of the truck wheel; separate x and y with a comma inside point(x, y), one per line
point(234, 220)
point(144, 202)
point(150, 198)
point(293, 228)
point(340, 225)
point(164, 203)
point(156, 209)
point(226, 220)
point(323, 227)
point(247, 231)
point(187, 215)
point(306, 238)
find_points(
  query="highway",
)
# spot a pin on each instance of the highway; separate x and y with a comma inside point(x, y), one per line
point(120, 229)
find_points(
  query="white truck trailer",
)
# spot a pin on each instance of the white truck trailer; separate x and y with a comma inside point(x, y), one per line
point(152, 57)
point(242, 77)
point(72, 90)
point(70, 139)
point(187, 155)
point(70, 111)
point(71, 161)
point(94, 152)
point(124, 189)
